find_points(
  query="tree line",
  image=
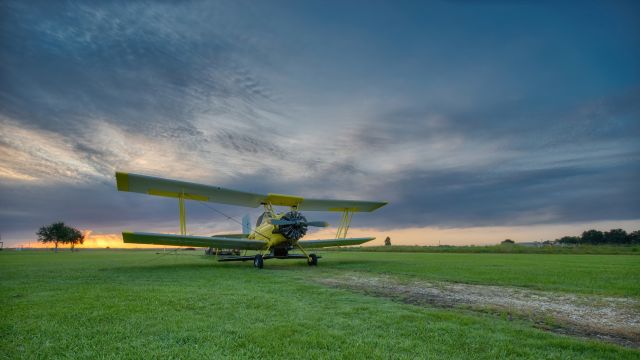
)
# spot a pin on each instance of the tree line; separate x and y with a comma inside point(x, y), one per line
point(59, 233)
point(596, 237)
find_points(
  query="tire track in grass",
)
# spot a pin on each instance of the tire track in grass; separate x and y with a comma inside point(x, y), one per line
point(611, 319)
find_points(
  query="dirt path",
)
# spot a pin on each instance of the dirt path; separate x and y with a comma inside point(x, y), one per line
point(606, 318)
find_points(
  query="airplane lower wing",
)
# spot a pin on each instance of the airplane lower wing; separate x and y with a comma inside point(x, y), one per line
point(311, 244)
point(221, 242)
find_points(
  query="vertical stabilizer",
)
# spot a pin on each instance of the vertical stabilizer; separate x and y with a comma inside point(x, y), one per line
point(246, 224)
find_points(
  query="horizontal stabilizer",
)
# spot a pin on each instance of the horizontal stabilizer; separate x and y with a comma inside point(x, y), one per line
point(311, 244)
point(220, 242)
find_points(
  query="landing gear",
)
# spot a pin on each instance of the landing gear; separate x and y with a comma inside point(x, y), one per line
point(312, 260)
point(258, 261)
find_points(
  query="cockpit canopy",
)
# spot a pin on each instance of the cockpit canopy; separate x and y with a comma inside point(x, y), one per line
point(263, 217)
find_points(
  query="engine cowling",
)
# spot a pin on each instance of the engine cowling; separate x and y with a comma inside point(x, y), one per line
point(296, 226)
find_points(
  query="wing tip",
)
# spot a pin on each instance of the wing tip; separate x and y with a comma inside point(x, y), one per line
point(126, 236)
point(122, 181)
point(380, 204)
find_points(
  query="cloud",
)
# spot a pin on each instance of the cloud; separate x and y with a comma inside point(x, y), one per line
point(554, 195)
point(229, 94)
point(131, 64)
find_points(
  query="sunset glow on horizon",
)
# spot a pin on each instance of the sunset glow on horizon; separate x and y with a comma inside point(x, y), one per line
point(426, 236)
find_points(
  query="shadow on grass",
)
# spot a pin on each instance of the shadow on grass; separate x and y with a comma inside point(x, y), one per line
point(166, 263)
point(161, 267)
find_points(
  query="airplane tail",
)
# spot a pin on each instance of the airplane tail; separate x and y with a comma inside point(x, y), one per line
point(246, 224)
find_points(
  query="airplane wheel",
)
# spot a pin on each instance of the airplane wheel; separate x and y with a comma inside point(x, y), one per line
point(258, 261)
point(313, 260)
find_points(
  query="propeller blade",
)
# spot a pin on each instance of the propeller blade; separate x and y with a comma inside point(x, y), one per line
point(283, 222)
point(294, 222)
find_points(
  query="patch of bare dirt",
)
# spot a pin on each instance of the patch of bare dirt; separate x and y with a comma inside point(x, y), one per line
point(605, 318)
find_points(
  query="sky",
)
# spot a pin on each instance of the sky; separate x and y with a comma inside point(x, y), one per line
point(476, 120)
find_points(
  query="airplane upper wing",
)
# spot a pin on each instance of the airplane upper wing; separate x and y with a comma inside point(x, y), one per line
point(192, 191)
point(339, 205)
point(194, 241)
point(311, 244)
point(174, 188)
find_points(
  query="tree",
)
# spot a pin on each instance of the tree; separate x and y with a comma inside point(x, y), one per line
point(75, 237)
point(53, 233)
point(507, 242)
point(615, 236)
point(387, 241)
point(592, 237)
point(634, 237)
point(60, 233)
point(569, 240)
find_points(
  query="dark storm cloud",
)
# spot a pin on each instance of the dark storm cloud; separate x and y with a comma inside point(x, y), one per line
point(248, 143)
point(470, 198)
point(614, 117)
point(456, 126)
point(576, 164)
point(132, 64)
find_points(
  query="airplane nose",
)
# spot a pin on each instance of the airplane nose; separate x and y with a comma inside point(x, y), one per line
point(293, 225)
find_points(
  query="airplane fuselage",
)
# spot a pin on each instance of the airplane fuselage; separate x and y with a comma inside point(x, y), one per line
point(266, 231)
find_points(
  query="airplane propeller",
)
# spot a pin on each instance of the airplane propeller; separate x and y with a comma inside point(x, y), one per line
point(293, 225)
point(292, 222)
point(318, 223)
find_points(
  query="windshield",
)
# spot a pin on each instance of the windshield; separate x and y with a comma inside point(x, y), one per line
point(259, 221)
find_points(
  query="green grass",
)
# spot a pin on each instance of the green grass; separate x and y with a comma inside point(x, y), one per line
point(616, 275)
point(504, 249)
point(135, 304)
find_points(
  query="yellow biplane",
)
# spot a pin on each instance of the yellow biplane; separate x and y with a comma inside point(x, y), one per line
point(275, 233)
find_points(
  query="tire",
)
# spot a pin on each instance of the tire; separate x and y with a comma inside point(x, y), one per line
point(258, 261)
point(313, 260)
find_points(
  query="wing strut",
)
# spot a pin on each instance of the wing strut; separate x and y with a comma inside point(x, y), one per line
point(183, 214)
point(304, 252)
point(345, 222)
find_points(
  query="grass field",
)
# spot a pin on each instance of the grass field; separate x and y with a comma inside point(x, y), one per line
point(136, 304)
point(504, 249)
point(587, 274)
